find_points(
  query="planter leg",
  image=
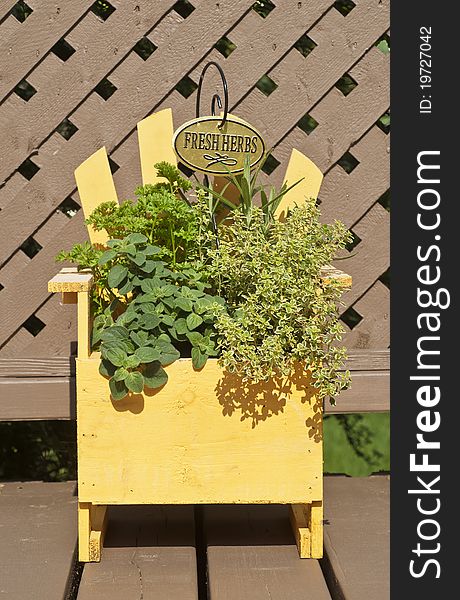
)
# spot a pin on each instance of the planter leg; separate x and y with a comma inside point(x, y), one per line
point(307, 525)
point(92, 523)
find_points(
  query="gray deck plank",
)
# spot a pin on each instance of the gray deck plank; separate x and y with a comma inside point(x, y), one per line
point(149, 553)
point(357, 537)
point(252, 555)
point(38, 534)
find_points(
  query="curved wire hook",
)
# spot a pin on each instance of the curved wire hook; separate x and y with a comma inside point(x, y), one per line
point(216, 97)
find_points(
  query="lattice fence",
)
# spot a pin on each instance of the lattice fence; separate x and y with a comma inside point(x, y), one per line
point(74, 76)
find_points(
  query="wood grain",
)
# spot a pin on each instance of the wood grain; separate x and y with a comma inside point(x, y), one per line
point(149, 552)
point(252, 554)
point(231, 442)
point(357, 537)
point(39, 532)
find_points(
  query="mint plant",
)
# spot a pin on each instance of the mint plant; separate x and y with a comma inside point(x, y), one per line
point(157, 316)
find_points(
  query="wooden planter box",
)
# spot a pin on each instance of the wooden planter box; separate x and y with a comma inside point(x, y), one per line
point(204, 438)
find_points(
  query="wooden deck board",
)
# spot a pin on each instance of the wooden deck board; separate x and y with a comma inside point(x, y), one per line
point(149, 552)
point(38, 534)
point(252, 555)
point(357, 537)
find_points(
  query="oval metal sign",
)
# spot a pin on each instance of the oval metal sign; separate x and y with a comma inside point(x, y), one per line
point(203, 146)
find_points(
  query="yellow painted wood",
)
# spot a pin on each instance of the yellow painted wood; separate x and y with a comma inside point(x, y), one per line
point(84, 324)
point(71, 280)
point(299, 167)
point(188, 444)
point(316, 528)
point(95, 185)
point(300, 522)
point(92, 524)
point(155, 143)
point(84, 530)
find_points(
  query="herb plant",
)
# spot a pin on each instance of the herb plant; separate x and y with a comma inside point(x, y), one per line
point(172, 282)
point(280, 311)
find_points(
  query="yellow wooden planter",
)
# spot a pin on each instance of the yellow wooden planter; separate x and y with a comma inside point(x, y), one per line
point(205, 437)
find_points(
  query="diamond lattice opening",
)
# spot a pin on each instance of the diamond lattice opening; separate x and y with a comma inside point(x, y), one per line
point(384, 122)
point(344, 6)
point(266, 85)
point(348, 162)
point(105, 89)
point(33, 325)
point(24, 90)
point(263, 7)
point(305, 45)
point(69, 207)
point(21, 11)
point(30, 247)
point(225, 46)
point(351, 318)
point(183, 8)
point(63, 50)
point(307, 124)
point(385, 278)
point(384, 200)
point(144, 48)
point(270, 164)
point(354, 242)
point(186, 86)
point(67, 129)
point(346, 84)
point(28, 169)
point(383, 43)
point(102, 9)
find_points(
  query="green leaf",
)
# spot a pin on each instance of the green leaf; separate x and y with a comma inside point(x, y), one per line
point(155, 376)
point(118, 389)
point(167, 290)
point(135, 382)
point(150, 285)
point(168, 353)
point(152, 250)
point(184, 304)
point(198, 358)
point(132, 361)
point(194, 337)
point(193, 321)
point(125, 289)
point(139, 259)
point(149, 308)
point(115, 355)
point(106, 369)
point(130, 249)
point(136, 238)
point(120, 374)
point(181, 326)
point(149, 321)
point(139, 337)
point(146, 354)
point(149, 266)
point(107, 256)
point(116, 332)
point(168, 320)
point(116, 275)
